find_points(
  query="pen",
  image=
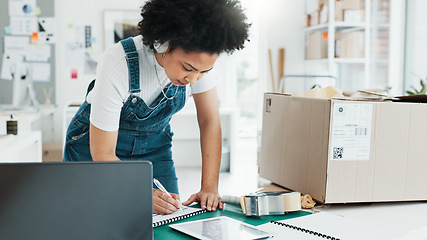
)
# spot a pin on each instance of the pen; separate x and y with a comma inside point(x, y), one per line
point(163, 189)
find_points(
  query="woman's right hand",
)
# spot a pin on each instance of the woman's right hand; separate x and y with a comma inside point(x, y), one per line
point(163, 204)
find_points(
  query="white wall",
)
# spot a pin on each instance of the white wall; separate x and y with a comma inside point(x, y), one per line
point(397, 46)
point(416, 50)
point(281, 27)
point(79, 12)
point(282, 21)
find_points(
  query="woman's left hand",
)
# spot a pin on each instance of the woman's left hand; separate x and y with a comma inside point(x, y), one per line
point(208, 199)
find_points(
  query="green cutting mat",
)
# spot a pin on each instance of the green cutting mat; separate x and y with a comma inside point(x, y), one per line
point(230, 210)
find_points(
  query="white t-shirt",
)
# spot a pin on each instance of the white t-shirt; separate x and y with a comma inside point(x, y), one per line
point(112, 84)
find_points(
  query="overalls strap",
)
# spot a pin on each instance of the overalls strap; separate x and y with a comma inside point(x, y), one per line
point(132, 58)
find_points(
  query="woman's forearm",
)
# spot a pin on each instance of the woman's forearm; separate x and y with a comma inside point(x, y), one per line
point(211, 145)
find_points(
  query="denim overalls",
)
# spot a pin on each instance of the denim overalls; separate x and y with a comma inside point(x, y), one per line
point(144, 131)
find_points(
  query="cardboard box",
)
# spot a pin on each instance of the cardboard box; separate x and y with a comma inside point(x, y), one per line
point(354, 16)
point(324, 14)
point(352, 4)
point(339, 12)
point(323, 2)
point(312, 6)
point(316, 46)
point(345, 151)
point(306, 20)
point(314, 18)
point(350, 44)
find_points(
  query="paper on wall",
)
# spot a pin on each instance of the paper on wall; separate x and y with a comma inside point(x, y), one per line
point(23, 25)
point(37, 11)
point(16, 45)
point(75, 48)
point(40, 72)
point(7, 65)
point(47, 38)
point(22, 7)
point(7, 30)
point(75, 53)
point(351, 131)
point(14, 50)
point(89, 67)
point(38, 53)
point(46, 29)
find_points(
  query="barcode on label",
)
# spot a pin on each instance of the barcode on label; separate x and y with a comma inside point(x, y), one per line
point(338, 153)
point(361, 131)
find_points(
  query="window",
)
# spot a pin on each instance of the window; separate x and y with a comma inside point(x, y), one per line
point(416, 48)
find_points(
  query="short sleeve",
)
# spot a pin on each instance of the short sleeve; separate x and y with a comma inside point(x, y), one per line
point(206, 83)
point(109, 93)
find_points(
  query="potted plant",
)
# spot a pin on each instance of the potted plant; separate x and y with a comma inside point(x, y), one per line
point(423, 89)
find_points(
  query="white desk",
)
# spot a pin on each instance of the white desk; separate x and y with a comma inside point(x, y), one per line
point(407, 218)
point(24, 147)
point(30, 119)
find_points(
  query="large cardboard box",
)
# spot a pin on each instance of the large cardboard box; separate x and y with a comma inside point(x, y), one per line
point(341, 151)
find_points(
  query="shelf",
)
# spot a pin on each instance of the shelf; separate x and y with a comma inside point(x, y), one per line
point(316, 27)
point(380, 61)
point(336, 60)
point(322, 60)
point(366, 63)
point(338, 25)
point(349, 25)
point(349, 60)
point(380, 25)
point(360, 60)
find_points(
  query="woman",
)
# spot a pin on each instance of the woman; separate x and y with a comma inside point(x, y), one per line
point(142, 81)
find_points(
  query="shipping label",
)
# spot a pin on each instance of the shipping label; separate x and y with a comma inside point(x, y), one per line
point(268, 105)
point(351, 131)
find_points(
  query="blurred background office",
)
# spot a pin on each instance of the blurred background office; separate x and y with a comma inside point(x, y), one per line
point(53, 45)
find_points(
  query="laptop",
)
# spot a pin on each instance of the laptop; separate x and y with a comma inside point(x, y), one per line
point(76, 200)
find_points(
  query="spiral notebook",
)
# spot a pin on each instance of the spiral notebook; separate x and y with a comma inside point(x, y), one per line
point(326, 226)
point(159, 220)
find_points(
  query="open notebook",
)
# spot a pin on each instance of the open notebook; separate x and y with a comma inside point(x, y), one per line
point(326, 226)
point(159, 220)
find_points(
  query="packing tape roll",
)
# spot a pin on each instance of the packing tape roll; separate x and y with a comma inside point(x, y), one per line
point(266, 204)
point(292, 201)
point(230, 199)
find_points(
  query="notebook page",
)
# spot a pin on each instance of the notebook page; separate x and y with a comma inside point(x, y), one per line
point(283, 233)
point(332, 225)
point(175, 215)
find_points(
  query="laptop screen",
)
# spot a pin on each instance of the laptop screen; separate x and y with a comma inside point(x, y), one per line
point(76, 200)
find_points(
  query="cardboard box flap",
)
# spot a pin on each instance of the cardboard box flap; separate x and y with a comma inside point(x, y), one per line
point(292, 154)
point(271, 139)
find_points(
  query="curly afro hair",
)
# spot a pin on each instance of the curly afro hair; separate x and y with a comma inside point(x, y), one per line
point(212, 26)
